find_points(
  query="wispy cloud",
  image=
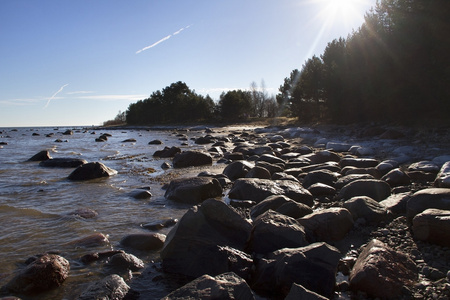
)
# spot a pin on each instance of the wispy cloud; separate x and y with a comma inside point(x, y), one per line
point(163, 39)
point(54, 95)
point(79, 92)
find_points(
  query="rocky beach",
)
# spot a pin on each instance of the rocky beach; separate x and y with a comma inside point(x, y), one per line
point(318, 212)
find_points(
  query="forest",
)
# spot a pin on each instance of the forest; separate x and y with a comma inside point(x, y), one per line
point(394, 68)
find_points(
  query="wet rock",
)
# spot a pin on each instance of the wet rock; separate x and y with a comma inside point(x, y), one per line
point(129, 141)
point(314, 267)
point(68, 132)
point(208, 239)
point(433, 226)
point(224, 286)
point(160, 224)
point(63, 162)
point(259, 189)
point(85, 213)
point(41, 156)
point(110, 287)
point(191, 158)
point(141, 193)
point(373, 188)
point(203, 140)
point(272, 231)
point(144, 241)
point(367, 208)
point(331, 224)
point(443, 177)
point(90, 171)
point(380, 266)
point(237, 169)
point(193, 189)
point(297, 292)
point(155, 142)
point(91, 257)
point(396, 177)
point(167, 152)
point(46, 272)
point(124, 261)
point(165, 166)
point(258, 172)
point(427, 198)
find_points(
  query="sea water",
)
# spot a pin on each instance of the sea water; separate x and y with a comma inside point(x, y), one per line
point(36, 203)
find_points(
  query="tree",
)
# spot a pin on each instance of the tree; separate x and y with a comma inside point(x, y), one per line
point(235, 105)
point(286, 93)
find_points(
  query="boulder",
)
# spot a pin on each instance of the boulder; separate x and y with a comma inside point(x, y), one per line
point(387, 165)
point(272, 231)
point(191, 158)
point(320, 176)
point(297, 292)
point(46, 272)
point(259, 189)
point(294, 209)
point(258, 172)
point(274, 202)
point(110, 287)
point(330, 165)
point(144, 241)
point(330, 224)
point(376, 189)
point(155, 142)
point(382, 272)
point(271, 159)
point(141, 194)
point(193, 189)
point(443, 177)
point(427, 198)
point(424, 166)
point(433, 226)
point(370, 171)
point(62, 162)
point(322, 157)
point(224, 286)
point(203, 140)
point(366, 208)
point(358, 162)
point(91, 170)
point(396, 203)
point(350, 178)
point(314, 267)
point(40, 156)
point(167, 152)
point(124, 261)
point(321, 189)
point(208, 239)
point(237, 169)
point(396, 177)
point(283, 176)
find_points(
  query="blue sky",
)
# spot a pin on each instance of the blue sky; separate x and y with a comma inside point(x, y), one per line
point(65, 62)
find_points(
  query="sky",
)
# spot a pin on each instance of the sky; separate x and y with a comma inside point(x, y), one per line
point(78, 63)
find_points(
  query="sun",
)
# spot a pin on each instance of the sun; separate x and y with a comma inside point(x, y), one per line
point(342, 11)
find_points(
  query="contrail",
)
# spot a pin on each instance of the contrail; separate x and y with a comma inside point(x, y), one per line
point(163, 39)
point(54, 95)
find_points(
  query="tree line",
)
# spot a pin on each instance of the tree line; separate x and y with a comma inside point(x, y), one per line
point(395, 67)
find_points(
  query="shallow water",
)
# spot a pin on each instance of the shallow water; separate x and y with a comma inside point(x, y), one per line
point(36, 202)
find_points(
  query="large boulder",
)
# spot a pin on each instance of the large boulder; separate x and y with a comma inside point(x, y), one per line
point(259, 189)
point(272, 231)
point(208, 239)
point(427, 198)
point(443, 177)
point(224, 286)
point(237, 169)
point(314, 267)
point(191, 158)
point(90, 171)
point(46, 272)
point(258, 172)
point(63, 162)
point(433, 226)
point(193, 189)
point(277, 202)
point(167, 152)
point(320, 176)
point(331, 224)
point(378, 190)
point(367, 208)
point(110, 287)
point(40, 156)
point(382, 272)
point(424, 166)
point(396, 177)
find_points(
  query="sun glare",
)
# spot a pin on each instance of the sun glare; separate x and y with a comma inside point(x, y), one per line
point(342, 11)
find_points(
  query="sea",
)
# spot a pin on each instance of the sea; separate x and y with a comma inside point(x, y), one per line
point(37, 204)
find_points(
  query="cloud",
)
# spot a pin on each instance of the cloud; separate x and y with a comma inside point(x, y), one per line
point(54, 95)
point(79, 92)
point(130, 97)
point(163, 39)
